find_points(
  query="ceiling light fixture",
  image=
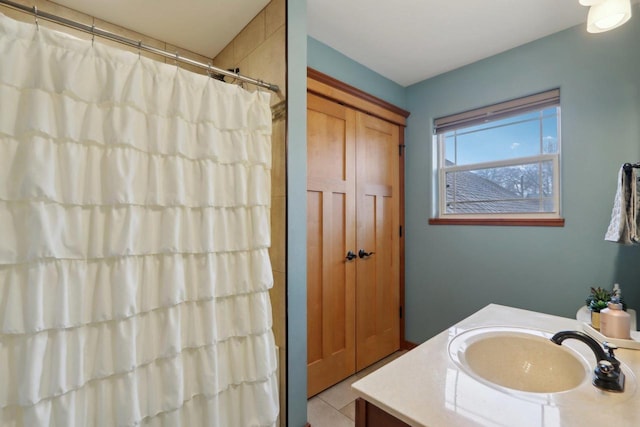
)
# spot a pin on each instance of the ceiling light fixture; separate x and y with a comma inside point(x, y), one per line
point(605, 15)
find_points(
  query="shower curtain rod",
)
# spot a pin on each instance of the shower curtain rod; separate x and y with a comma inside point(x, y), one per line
point(91, 29)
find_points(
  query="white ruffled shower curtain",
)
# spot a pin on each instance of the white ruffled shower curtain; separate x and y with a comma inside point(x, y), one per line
point(134, 234)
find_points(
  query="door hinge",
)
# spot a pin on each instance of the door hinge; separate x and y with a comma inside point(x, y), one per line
point(400, 311)
point(401, 149)
point(400, 231)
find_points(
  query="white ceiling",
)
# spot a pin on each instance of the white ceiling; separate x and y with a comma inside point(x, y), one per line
point(406, 41)
point(410, 40)
point(202, 26)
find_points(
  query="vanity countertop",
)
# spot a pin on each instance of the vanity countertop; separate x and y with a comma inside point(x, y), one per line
point(425, 387)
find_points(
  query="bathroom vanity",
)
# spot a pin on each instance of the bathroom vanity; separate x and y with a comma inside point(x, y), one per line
point(433, 385)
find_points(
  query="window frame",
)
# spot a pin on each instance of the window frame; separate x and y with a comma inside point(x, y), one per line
point(532, 103)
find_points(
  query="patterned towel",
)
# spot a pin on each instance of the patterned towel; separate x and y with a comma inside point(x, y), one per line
point(625, 216)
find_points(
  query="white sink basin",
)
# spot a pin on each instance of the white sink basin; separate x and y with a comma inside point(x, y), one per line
point(519, 359)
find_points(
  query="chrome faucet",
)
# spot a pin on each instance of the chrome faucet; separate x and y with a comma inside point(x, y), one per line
point(607, 374)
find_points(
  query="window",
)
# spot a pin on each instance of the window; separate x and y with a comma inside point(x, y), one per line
point(501, 164)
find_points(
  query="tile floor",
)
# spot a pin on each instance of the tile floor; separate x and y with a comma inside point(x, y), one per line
point(336, 406)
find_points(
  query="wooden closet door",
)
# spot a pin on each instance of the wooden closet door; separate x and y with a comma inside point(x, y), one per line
point(330, 235)
point(377, 288)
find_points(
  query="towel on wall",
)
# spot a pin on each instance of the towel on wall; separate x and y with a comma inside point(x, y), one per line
point(625, 217)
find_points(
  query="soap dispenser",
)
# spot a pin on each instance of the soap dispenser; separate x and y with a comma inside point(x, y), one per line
point(614, 321)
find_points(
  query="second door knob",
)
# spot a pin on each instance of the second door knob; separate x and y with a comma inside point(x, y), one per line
point(363, 254)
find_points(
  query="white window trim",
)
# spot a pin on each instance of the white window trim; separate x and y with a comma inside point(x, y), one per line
point(442, 170)
point(514, 107)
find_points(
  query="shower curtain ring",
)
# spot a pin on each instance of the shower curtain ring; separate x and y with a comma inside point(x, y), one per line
point(35, 14)
point(93, 33)
point(177, 59)
point(209, 73)
point(139, 47)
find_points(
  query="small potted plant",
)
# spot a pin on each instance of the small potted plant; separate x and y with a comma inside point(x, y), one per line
point(596, 301)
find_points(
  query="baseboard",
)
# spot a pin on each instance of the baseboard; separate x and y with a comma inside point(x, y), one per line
point(407, 345)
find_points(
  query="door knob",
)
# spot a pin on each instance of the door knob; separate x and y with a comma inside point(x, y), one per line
point(350, 256)
point(363, 254)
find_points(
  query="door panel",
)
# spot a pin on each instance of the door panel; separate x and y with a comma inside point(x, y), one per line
point(314, 275)
point(377, 286)
point(330, 235)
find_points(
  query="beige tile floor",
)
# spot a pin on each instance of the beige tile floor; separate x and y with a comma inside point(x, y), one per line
point(336, 406)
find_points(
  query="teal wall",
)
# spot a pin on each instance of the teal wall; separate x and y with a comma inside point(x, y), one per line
point(452, 271)
point(329, 61)
point(296, 213)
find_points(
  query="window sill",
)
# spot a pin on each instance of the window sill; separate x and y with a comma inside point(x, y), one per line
point(522, 222)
